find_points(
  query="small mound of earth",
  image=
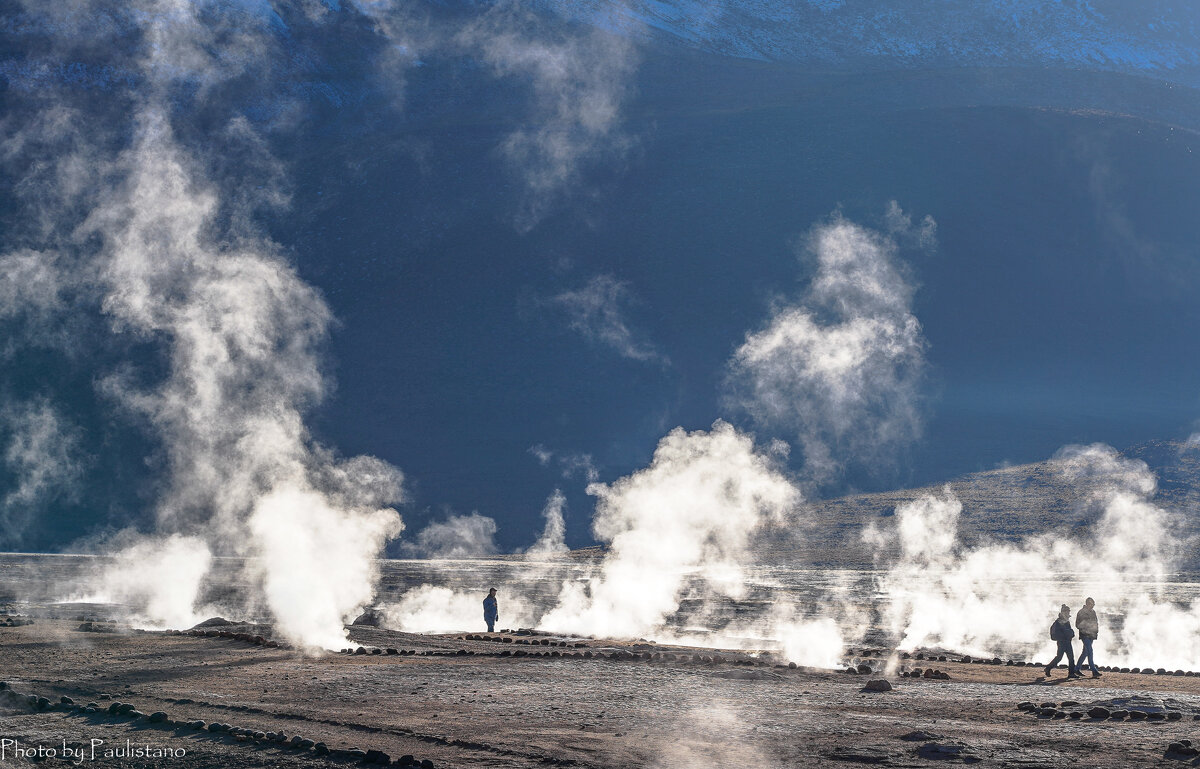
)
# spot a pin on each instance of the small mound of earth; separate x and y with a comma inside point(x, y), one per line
point(216, 622)
point(1145, 704)
point(921, 736)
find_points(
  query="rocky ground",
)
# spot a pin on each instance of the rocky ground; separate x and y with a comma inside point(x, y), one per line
point(523, 700)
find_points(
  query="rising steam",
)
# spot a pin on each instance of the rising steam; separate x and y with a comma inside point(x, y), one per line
point(1002, 597)
point(690, 512)
point(841, 369)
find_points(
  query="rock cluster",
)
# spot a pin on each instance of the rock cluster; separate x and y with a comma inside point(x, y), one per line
point(1073, 710)
point(15, 622)
point(257, 640)
point(932, 674)
point(1181, 749)
point(128, 711)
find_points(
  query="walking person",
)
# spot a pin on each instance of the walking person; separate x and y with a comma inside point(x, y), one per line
point(1061, 632)
point(1089, 630)
point(491, 612)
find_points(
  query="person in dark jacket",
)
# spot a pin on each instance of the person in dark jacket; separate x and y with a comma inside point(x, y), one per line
point(491, 612)
point(1061, 632)
point(1089, 630)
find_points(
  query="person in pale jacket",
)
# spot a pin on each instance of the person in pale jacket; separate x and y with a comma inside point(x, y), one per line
point(1061, 632)
point(1089, 630)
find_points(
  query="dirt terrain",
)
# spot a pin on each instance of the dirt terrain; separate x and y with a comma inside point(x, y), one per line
point(509, 700)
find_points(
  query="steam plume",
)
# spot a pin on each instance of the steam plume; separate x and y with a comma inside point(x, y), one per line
point(553, 535)
point(690, 511)
point(944, 595)
point(841, 369)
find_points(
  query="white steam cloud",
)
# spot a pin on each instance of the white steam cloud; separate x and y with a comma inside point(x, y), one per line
point(1002, 597)
point(459, 536)
point(42, 452)
point(595, 311)
point(840, 370)
point(175, 262)
point(158, 578)
point(690, 513)
point(244, 334)
point(580, 81)
point(553, 537)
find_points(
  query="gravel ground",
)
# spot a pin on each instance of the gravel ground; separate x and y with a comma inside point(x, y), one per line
point(456, 702)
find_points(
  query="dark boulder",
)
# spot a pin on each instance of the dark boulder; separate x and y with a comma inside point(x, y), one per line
point(370, 618)
point(157, 717)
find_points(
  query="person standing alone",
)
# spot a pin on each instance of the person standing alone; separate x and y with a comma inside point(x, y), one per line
point(491, 611)
point(1061, 632)
point(1089, 630)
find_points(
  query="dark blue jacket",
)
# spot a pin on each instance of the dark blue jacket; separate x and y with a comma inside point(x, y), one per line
point(1061, 630)
point(489, 608)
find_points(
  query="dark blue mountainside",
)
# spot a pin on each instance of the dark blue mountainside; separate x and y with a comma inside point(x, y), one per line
point(1057, 146)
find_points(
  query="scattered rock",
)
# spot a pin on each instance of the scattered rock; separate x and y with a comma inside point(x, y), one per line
point(1182, 749)
point(921, 736)
point(376, 757)
point(66, 700)
point(157, 717)
point(321, 749)
point(877, 685)
point(948, 751)
point(1099, 712)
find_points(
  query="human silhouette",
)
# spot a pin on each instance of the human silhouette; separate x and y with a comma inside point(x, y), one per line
point(1061, 632)
point(1089, 630)
point(491, 612)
